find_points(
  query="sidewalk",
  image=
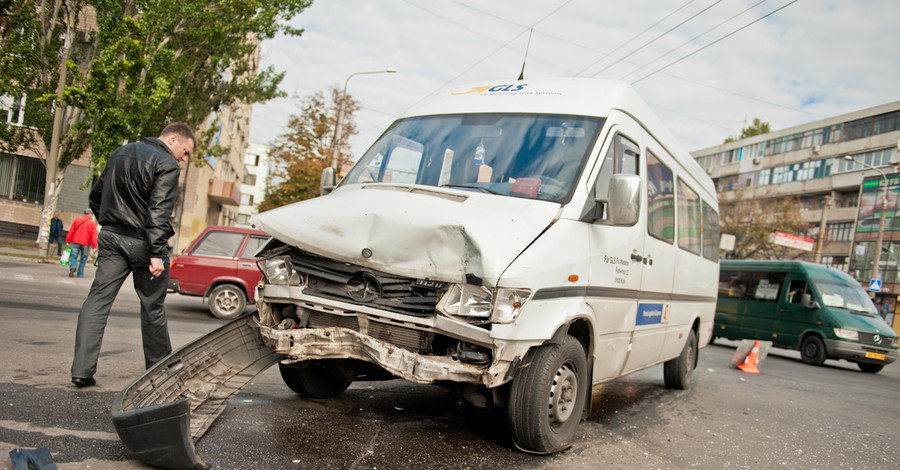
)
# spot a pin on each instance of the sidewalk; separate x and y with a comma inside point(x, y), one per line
point(24, 248)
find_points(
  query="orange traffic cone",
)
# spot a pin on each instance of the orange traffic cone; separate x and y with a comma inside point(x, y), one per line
point(751, 361)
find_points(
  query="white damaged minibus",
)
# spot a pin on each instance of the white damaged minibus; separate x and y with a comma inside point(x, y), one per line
point(516, 242)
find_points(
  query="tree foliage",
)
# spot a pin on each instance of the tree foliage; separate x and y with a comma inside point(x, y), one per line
point(756, 128)
point(33, 40)
point(160, 61)
point(753, 221)
point(304, 149)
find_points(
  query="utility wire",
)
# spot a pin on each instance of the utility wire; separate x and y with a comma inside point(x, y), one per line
point(641, 67)
point(590, 49)
point(620, 59)
point(717, 40)
point(487, 56)
point(605, 55)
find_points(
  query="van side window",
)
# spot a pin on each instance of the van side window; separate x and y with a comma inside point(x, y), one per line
point(622, 157)
point(733, 284)
point(689, 229)
point(766, 286)
point(710, 233)
point(661, 200)
point(796, 291)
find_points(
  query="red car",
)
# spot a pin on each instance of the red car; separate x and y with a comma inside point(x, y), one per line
point(220, 265)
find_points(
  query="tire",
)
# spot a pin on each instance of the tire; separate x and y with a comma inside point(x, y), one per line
point(547, 397)
point(812, 350)
point(227, 301)
point(677, 373)
point(870, 368)
point(315, 379)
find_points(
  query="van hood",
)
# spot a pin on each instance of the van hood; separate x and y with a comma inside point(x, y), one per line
point(867, 324)
point(413, 231)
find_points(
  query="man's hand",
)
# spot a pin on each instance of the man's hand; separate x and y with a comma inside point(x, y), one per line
point(156, 266)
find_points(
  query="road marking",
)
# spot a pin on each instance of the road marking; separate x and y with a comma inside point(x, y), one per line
point(56, 432)
point(23, 277)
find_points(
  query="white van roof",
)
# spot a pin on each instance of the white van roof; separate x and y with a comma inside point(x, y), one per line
point(574, 96)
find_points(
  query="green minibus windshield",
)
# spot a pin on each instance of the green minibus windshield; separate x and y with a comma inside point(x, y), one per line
point(845, 295)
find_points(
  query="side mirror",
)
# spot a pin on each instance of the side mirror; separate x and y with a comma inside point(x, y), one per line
point(809, 302)
point(624, 199)
point(327, 183)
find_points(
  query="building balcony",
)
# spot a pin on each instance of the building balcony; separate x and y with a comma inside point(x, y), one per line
point(223, 192)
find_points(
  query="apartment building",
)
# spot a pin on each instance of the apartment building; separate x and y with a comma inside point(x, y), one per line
point(253, 188)
point(809, 164)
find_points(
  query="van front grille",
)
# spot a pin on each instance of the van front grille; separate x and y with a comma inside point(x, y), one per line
point(363, 286)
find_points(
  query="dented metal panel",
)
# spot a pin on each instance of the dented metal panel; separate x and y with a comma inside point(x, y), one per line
point(341, 343)
point(413, 231)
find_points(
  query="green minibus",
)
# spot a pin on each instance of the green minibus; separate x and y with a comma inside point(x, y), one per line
point(820, 311)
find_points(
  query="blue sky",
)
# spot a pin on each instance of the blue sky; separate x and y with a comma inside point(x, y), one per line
point(810, 60)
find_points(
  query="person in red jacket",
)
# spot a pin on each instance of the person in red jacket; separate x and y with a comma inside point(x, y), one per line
point(82, 234)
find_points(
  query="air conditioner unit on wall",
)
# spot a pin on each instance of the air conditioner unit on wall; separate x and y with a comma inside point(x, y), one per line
point(817, 149)
point(757, 160)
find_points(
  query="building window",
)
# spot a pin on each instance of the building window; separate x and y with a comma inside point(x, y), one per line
point(246, 199)
point(12, 110)
point(22, 179)
point(243, 219)
point(250, 179)
point(252, 160)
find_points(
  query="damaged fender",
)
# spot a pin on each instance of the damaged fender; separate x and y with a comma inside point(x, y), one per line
point(164, 412)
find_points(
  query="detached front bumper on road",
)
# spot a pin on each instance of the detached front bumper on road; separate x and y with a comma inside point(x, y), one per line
point(164, 412)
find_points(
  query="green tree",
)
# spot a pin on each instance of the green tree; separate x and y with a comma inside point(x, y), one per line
point(304, 149)
point(754, 220)
point(44, 47)
point(161, 61)
point(756, 128)
point(147, 63)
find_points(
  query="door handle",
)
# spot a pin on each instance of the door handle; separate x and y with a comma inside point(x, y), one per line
point(636, 257)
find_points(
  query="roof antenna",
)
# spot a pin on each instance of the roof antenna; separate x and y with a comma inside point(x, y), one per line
point(522, 73)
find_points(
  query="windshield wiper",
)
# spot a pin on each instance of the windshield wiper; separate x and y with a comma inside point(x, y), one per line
point(467, 186)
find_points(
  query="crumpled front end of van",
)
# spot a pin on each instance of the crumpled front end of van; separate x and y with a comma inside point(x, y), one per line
point(406, 281)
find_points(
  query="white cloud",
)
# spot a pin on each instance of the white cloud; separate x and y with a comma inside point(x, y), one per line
point(811, 60)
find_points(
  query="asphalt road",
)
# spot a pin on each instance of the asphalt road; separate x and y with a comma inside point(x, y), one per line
point(790, 416)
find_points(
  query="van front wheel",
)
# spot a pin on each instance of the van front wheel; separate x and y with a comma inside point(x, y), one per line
point(547, 397)
point(812, 350)
point(677, 372)
point(870, 368)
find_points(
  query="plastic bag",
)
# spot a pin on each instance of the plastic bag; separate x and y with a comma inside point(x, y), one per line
point(64, 259)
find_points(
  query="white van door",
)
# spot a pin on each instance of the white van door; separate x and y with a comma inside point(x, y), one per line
point(617, 265)
point(657, 305)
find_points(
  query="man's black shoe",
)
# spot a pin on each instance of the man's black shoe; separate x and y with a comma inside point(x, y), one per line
point(88, 382)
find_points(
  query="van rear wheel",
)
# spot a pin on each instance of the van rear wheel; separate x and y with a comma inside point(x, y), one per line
point(812, 350)
point(677, 372)
point(547, 397)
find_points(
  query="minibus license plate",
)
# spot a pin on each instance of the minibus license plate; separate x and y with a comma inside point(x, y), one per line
point(871, 355)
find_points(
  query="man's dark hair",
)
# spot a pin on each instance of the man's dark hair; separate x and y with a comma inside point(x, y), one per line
point(181, 129)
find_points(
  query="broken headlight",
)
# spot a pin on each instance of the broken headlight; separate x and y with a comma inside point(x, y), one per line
point(500, 305)
point(279, 271)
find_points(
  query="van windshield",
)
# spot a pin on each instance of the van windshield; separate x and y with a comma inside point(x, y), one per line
point(535, 156)
point(845, 295)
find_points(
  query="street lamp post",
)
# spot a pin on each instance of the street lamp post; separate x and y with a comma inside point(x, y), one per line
point(335, 148)
point(880, 240)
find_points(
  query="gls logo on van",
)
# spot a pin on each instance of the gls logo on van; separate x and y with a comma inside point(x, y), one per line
point(491, 89)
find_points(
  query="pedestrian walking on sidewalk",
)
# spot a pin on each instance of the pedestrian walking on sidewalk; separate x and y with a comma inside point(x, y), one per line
point(133, 201)
point(56, 228)
point(82, 235)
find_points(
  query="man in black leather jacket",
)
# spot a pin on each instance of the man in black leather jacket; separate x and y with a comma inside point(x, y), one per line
point(133, 201)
